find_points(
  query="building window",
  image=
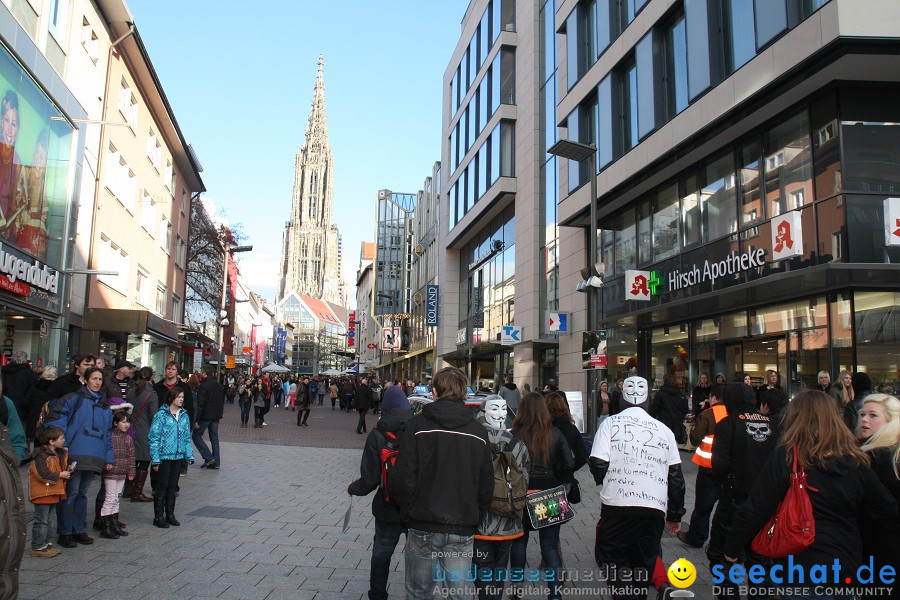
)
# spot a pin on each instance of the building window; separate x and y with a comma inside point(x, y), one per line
point(161, 299)
point(128, 105)
point(676, 77)
point(176, 309)
point(507, 76)
point(183, 201)
point(666, 223)
point(148, 213)
point(740, 46)
point(59, 12)
point(154, 152)
point(625, 245)
point(165, 234)
point(169, 175)
point(719, 199)
point(788, 164)
point(690, 212)
point(751, 205)
point(580, 30)
point(180, 251)
point(627, 107)
point(142, 287)
point(114, 258)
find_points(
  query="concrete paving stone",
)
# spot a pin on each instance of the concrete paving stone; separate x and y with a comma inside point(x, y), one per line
point(342, 563)
point(255, 547)
point(301, 560)
point(236, 554)
point(309, 534)
point(271, 569)
point(203, 590)
point(311, 543)
point(328, 585)
point(219, 536)
point(281, 594)
point(360, 573)
point(336, 596)
point(232, 566)
point(33, 591)
point(288, 582)
point(239, 578)
point(292, 550)
point(266, 557)
point(284, 538)
point(247, 592)
point(79, 580)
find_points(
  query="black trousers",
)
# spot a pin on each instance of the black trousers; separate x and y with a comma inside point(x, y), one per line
point(165, 481)
point(726, 510)
point(361, 424)
point(492, 561)
point(630, 543)
point(303, 414)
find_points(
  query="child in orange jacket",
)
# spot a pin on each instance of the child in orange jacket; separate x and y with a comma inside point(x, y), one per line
point(46, 487)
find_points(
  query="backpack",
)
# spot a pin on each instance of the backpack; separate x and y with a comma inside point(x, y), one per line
point(510, 489)
point(388, 458)
point(52, 409)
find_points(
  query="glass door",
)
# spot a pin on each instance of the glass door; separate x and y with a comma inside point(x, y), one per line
point(764, 354)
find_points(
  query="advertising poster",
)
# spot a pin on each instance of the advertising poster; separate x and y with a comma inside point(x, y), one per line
point(34, 165)
point(593, 350)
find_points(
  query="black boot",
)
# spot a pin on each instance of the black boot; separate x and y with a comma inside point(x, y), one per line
point(118, 525)
point(159, 508)
point(170, 511)
point(98, 522)
point(109, 531)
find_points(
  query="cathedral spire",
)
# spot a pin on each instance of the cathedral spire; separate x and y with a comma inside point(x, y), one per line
point(317, 129)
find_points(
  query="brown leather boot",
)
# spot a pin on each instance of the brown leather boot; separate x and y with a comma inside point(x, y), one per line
point(140, 478)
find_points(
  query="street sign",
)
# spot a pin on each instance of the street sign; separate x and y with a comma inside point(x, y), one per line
point(510, 335)
point(390, 338)
point(557, 321)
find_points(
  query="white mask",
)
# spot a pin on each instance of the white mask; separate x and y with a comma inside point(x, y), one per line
point(635, 390)
point(495, 413)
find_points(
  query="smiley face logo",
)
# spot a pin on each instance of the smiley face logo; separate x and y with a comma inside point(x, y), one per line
point(682, 573)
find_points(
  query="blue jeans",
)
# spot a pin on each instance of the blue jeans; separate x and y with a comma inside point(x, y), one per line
point(40, 529)
point(549, 552)
point(197, 436)
point(705, 497)
point(245, 412)
point(438, 560)
point(71, 512)
point(387, 534)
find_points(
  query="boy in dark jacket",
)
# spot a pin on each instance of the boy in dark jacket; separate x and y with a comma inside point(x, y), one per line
point(384, 437)
point(47, 486)
point(741, 446)
point(443, 482)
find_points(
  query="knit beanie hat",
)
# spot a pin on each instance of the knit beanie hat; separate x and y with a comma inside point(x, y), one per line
point(395, 400)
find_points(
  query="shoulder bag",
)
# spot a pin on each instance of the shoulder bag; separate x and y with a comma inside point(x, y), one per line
point(792, 529)
point(548, 507)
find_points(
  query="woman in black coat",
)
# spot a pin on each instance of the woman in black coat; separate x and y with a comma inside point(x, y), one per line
point(842, 487)
point(562, 420)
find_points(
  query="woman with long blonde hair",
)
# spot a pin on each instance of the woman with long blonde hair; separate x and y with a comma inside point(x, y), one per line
point(841, 486)
point(879, 431)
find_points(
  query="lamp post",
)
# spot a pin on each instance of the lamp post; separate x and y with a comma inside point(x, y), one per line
point(223, 313)
point(393, 312)
point(580, 152)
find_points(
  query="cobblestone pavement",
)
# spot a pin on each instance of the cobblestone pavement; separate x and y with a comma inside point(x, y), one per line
point(285, 541)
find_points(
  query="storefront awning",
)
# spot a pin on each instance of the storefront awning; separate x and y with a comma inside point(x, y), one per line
point(138, 322)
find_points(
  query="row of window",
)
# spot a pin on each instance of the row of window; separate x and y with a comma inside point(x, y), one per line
point(494, 159)
point(496, 88)
point(128, 108)
point(694, 47)
point(114, 258)
point(500, 15)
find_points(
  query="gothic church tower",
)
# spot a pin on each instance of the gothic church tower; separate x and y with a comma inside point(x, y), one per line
point(310, 257)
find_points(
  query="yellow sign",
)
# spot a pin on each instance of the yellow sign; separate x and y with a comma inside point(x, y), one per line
point(229, 362)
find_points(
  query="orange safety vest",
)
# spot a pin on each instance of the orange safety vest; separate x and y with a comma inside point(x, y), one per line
point(703, 454)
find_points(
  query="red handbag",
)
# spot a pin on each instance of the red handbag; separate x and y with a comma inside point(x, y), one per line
point(792, 529)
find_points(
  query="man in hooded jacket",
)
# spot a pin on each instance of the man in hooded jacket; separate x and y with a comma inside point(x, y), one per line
point(384, 437)
point(510, 393)
point(443, 482)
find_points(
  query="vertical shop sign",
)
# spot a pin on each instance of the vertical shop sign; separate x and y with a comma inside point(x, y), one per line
point(637, 285)
point(431, 305)
point(787, 236)
point(892, 222)
point(351, 330)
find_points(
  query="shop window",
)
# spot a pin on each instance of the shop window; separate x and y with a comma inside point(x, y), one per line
point(625, 254)
point(690, 211)
point(669, 356)
point(607, 252)
point(645, 233)
point(865, 231)
point(877, 323)
point(788, 164)
point(871, 156)
point(751, 203)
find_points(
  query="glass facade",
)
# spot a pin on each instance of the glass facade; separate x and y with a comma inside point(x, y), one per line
point(393, 254)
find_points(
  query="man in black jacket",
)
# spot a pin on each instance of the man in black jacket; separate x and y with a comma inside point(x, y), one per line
point(443, 482)
point(384, 438)
point(210, 406)
point(361, 403)
point(741, 446)
point(73, 380)
point(18, 381)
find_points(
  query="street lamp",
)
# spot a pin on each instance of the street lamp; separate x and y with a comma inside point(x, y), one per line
point(223, 320)
point(580, 152)
point(393, 312)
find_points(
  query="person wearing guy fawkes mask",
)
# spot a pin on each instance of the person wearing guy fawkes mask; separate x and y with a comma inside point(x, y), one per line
point(385, 436)
point(636, 507)
point(495, 534)
point(742, 444)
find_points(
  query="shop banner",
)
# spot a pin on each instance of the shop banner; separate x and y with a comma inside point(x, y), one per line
point(787, 236)
point(431, 305)
point(351, 330)
point(892, 222)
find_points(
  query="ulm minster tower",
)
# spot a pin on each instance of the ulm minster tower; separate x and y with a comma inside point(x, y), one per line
point(310, 254)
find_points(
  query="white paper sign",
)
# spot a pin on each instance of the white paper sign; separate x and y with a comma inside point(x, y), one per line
point(892, 222)
point(576, 407)
point(637, 285)
point(639, 450)
point(787, 236)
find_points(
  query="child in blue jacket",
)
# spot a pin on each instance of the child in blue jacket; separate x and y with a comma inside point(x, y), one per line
point(170, 443)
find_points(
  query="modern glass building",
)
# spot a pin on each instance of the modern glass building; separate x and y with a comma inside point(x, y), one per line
point(748, 155)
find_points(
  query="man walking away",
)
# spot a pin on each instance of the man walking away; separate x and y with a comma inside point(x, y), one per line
point(361, 403)
point(383, 440)
point(510, 393)
point(210, 406)
point(443, 482)
point(305, 399)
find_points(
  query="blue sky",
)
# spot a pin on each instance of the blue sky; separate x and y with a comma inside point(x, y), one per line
point(241, 80)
